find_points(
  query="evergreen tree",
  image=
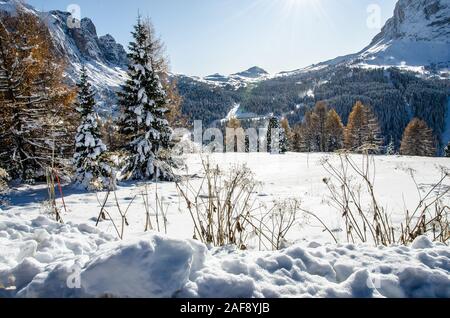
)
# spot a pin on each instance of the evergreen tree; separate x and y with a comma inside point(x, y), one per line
point(144, 103)
point(334, 132)
point(418, 140)
point(287, 135)
point(91, 171)
point(447, 150)
point(321, 110)
point(390, 148)
point(276, 141)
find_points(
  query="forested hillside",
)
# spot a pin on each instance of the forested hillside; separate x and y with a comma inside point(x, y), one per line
point(396, 97)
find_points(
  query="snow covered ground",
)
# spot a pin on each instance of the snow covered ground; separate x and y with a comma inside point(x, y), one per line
point(40, 258)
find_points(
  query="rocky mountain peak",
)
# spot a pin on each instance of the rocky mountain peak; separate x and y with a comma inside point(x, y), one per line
point(418, 20)
point(253, 72)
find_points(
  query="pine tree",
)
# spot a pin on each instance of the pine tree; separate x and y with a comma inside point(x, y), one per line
point(286, 135)
point(36, 125)
point(91, 170)
point(321, 110)
point(418, 140)
point(143, 103)
point(334, 132)
point(447, 150)
point(247, 144)
point(390, 148)
point(362, 132)
point(276, 141)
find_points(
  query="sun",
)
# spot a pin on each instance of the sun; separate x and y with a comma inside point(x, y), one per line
point(294, 5)
point(300, 9)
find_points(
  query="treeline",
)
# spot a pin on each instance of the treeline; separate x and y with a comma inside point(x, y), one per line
point(395, 97)
point(322, 130)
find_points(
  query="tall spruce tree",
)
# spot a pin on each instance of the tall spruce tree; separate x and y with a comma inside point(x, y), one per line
point(91, 170)
point(276, 138)
point(144, 109)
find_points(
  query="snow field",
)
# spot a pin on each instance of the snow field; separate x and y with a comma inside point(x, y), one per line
point(42, 258)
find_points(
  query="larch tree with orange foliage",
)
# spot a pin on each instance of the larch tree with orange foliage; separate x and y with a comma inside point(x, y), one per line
point(363, 131)
point(418, 140)
point(334, 132)
point(37, 122)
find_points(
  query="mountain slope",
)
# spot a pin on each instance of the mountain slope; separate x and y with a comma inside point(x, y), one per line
point(104, 59)
point(417, 35)
point(416, 38)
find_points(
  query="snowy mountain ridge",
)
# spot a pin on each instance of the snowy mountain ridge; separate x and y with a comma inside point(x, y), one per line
point(235, 81)
point(416, 38)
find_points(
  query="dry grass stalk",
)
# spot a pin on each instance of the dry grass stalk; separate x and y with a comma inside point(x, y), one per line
point(225, 211)
point(348, 182)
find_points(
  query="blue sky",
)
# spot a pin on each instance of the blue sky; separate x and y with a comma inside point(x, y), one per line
point(226, 36)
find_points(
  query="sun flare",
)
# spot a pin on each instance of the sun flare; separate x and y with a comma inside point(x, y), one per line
point(294, 6)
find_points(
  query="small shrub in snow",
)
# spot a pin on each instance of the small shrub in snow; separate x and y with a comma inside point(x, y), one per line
point(225, 210)
point(368, 221)
point(220, 208)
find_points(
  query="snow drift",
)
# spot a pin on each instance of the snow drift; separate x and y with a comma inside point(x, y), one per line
point(41, 258)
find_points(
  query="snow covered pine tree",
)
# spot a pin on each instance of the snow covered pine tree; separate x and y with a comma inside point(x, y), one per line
point(91, 171)
point(144, 110)
point(276, 137)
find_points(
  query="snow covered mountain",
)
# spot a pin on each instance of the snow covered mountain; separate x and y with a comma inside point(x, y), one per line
point(416, 38)
point(103, 57)
point(254, 74)
point(418, 35)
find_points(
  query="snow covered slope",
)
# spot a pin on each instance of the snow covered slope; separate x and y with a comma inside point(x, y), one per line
point(416, 38)
point(417, 35)
point(254, 74)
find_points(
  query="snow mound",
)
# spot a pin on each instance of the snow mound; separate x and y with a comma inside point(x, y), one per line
point(41, 258)
point(156, 267)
